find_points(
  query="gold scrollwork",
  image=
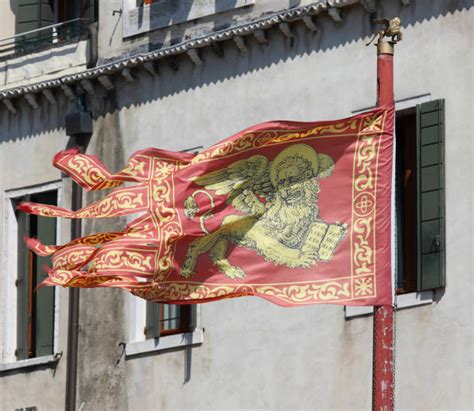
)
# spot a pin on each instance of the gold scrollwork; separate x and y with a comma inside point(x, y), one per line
point(267, 138)
point(88, 171)
point(71, 259)
point(291, 293)
point(373, 123)
point(115, 259)
point(364, 204)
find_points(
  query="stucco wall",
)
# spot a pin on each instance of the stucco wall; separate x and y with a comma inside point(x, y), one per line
point(115, 39)
point(28, 141)
point(44, 65)
point(7, 18)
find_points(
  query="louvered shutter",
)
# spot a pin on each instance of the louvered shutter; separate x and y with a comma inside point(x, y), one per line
point(27, 15)
point(193, 317)
point(430, 195)
point(153, 312)
point(44, 304)
point(32, 15)
point(22, 284)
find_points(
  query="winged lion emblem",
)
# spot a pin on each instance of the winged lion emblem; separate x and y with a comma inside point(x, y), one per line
point(279, 213)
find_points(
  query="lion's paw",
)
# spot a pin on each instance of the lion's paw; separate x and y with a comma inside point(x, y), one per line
point(308, 258)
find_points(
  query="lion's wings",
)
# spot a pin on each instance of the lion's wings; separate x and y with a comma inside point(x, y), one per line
point(242, 181)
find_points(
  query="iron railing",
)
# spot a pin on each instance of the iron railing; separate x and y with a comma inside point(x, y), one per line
point(45, 37)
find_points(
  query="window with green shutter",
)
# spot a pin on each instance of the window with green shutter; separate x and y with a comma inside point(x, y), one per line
point(35, 309)
point(420, 197)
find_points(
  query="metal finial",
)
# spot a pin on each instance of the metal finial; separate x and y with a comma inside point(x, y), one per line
point(391, 29)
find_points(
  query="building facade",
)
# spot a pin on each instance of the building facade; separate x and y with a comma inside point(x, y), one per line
point(182, 75)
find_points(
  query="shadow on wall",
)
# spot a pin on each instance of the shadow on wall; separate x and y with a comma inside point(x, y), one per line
point(178, 74)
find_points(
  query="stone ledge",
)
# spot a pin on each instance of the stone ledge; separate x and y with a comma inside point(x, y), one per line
point(31, 362)
point(164, 343)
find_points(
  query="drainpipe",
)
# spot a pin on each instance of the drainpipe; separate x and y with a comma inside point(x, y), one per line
point(79, 129)
point(93, 45)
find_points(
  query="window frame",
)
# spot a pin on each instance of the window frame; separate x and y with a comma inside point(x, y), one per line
point(8, 319)
point(138, 344)
point(410, 275)
point(185, 319)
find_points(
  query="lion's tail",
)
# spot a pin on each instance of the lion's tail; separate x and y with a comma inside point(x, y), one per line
point(191, 208)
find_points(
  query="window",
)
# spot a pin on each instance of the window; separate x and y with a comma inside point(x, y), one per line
point(35, 310)
point(167, 319)
point(156, 327)
point(420, 197)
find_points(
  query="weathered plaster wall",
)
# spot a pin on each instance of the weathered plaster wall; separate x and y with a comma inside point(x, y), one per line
point(44, 65)
point(256, 355)
point(7, 18)
point(113, 41)
point(103, 315)
point(28, 142)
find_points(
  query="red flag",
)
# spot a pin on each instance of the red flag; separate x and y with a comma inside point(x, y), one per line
point(297, 213)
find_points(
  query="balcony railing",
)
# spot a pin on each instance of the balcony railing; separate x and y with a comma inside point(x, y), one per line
point(43, 38)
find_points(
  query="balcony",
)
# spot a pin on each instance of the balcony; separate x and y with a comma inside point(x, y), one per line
point(40, 54)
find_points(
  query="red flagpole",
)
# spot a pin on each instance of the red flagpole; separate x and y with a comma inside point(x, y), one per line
point(383, 379)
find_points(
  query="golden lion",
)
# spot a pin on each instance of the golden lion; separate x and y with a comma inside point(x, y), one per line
point(285, 229)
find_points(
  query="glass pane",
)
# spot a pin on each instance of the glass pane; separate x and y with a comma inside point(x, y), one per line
point(171, 319)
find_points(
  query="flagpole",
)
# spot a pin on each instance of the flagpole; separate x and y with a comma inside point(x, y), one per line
point(383, 378)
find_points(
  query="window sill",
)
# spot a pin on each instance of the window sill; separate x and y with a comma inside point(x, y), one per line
point(403, 301)
point(164, 343)
point(30, 362)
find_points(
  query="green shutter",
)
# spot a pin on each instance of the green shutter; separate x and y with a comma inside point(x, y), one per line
point(152, 329)
point(44, 304)
point(27, 15)
point(430, 195)
point(193, 317)
point(32, 15)
point(47, 17)
point(22, 284)
point(89, 10)
point(35, 309)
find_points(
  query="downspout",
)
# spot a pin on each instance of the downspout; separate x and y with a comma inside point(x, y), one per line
point(93, 45)
point(79, 129)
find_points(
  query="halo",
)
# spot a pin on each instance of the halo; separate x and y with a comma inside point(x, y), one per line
point(301, 150)
point(326, 165)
